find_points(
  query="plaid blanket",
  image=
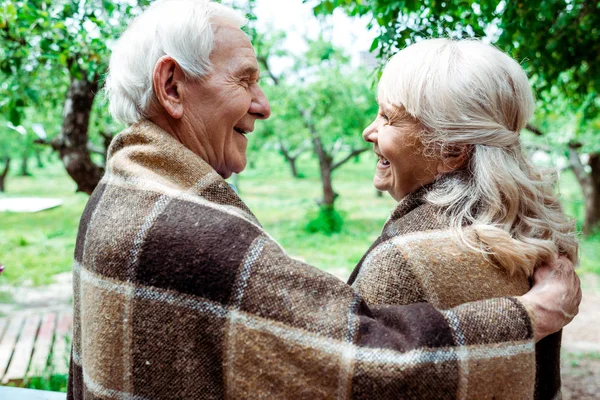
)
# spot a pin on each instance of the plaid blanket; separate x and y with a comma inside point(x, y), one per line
point(418, 258)
point(180, 294)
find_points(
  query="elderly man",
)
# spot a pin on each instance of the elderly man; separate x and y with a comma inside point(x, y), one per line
point(180, 294)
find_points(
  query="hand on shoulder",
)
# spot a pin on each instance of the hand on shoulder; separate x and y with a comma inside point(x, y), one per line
point(554, 299)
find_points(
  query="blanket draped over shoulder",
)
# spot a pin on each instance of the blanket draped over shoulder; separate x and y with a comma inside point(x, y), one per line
point(180, 294)
point(418, 258)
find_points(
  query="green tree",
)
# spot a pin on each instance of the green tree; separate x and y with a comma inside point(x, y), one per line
point(277, 132)
point(557, 41)
point(57, 53)
point(9, 146)
point(324, 102)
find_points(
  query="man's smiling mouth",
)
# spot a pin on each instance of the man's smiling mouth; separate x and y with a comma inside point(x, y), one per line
point(241, 130)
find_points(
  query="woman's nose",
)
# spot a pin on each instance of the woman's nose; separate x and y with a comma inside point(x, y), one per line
point(370, 133)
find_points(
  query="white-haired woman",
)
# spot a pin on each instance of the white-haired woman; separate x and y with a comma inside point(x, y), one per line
point(474, 216)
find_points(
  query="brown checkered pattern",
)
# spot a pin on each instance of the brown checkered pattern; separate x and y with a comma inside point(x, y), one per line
point(180, 294)
point(419, 259)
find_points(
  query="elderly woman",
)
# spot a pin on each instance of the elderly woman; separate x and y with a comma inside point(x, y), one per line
point(180, 294)
point(474, 217)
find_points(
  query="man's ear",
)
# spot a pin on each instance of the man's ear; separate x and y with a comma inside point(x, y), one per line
point(453, 158)
point(166, 79)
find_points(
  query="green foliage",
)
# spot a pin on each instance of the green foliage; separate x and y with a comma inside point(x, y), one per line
point(326, 220)
point(46, 44)
point(552, 36)
point(557, 41)
point(590, 254)
point(6, 297)
point(321, 96)
point(53, 383)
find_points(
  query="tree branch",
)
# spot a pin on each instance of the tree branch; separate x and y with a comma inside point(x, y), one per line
point(265, 62)
point(534, 130)
point(44, 142)
point(302, 148)
point(353, 153)
point(6, 168)
point(337, 147)
point(56, 146)
point(537, 147)
point(95, 149)
point(578, 168)
point(283, 149)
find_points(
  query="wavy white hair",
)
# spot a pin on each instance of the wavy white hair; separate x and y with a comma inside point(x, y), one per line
point(469, 96)
point(178, 28)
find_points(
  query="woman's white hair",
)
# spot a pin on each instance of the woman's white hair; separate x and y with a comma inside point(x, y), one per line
point(178, 28)
point(467, 96)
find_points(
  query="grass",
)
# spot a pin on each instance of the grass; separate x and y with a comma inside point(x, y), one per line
point(575, 359)
point(34, 247)
point(571, 197)
point(53, 383)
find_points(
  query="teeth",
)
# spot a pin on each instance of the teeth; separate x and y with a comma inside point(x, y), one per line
point(383, 160)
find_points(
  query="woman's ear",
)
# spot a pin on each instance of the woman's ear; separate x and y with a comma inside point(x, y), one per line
point(453, 158)
point(166, 80)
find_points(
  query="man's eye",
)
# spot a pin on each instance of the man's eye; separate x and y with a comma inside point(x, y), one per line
point(385, 117)
point(247, 82)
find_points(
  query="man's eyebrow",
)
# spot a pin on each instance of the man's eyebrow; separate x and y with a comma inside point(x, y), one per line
point(247, 70)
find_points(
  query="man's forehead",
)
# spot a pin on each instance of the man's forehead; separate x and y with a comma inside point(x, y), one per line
point(233, 50)
point(225, 32)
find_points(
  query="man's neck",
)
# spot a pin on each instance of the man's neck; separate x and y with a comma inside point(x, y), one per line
point(194, 138)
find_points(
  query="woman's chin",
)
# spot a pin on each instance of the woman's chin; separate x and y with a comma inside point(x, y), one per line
point(380, 184)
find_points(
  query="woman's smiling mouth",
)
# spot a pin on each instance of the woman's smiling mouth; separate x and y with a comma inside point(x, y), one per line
point(383, 162)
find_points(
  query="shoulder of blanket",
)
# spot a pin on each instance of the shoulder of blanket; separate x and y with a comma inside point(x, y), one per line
point(436, 246)
point(145, 159)
point(433, 239)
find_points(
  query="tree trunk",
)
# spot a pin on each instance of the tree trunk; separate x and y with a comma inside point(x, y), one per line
point(293, 168)
point(72, 143)
point(25, 165)
point(325, 167)
point(106, 141)
point(38, 158)
point(590, 185)
point(4, 173)
point(292, 162)
point(592, 198)
point(290, 158)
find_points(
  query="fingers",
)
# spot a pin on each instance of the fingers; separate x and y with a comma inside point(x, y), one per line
point(555, 296)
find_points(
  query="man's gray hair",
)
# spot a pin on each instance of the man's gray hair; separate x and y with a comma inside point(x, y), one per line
point(177, 28)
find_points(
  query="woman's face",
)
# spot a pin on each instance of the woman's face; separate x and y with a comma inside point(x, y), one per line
point(402, 167)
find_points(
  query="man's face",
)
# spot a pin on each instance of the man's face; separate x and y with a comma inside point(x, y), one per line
point(227, 102)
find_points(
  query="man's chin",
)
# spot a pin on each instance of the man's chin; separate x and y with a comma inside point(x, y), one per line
point(233, 169)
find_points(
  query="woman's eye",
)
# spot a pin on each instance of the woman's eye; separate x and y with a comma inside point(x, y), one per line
point(385, 117)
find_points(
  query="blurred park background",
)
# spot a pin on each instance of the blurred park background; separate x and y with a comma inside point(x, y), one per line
point(309, 174)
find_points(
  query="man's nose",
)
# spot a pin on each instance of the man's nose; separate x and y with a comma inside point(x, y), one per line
point(260, 106)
